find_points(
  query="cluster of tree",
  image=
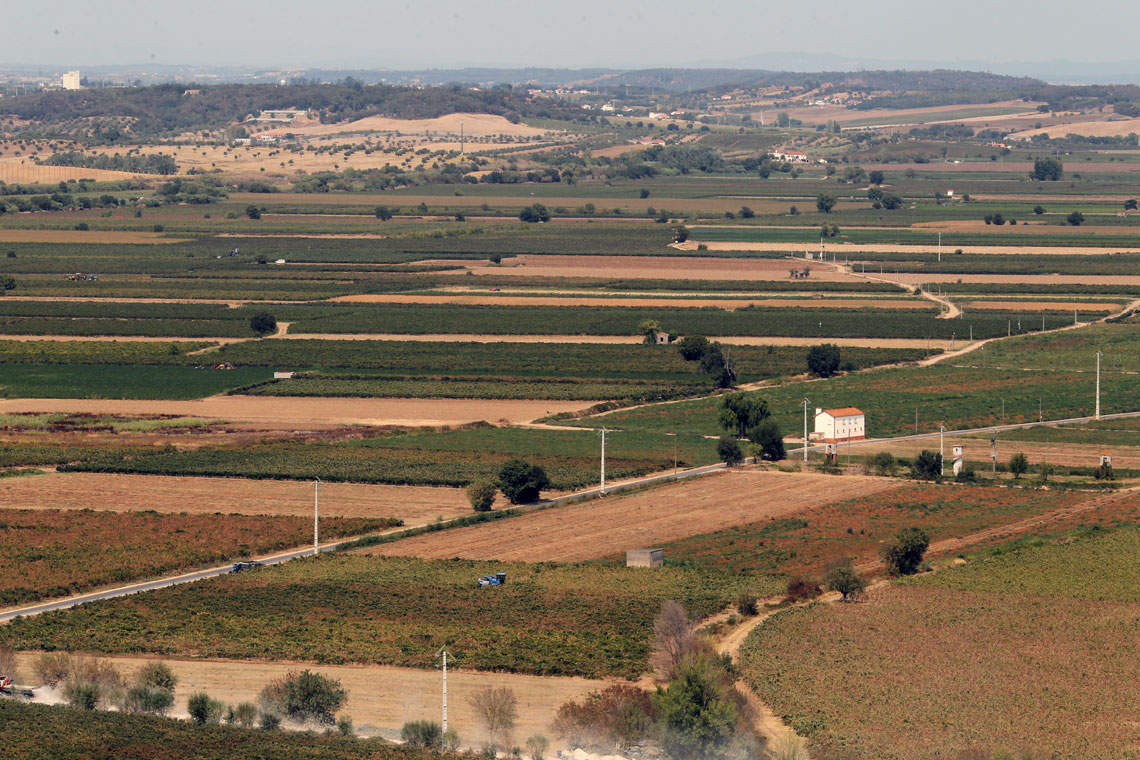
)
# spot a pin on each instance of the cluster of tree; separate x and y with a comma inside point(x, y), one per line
point(535, 213)
point(714, 361)
point(697, 713)
point(199, 190)
point(880, 199)
point(746, 415)
point(1047, 169)
point(163, 109)
point(520, 481)
point(154, 163)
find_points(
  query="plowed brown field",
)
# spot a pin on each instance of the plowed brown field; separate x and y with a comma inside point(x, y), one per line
point(380, 697)
point(313, 412)
point(415, 505)
point(607, 526)
point(658, 267)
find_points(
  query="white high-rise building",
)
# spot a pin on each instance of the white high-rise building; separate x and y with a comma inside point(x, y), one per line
point(70, 81)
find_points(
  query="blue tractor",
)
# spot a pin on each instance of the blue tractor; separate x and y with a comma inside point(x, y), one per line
point(498, 579)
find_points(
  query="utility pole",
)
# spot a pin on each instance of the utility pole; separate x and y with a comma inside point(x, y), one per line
point(939, 247)
point(993, 452)
point(316, 515)
point(916, 420)
point(443, 653)
point(1098, 385)
point(805, 406)
point(603, 461)
point(942, 448)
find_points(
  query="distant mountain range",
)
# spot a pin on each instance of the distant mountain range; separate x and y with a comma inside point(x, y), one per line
point(767, 67)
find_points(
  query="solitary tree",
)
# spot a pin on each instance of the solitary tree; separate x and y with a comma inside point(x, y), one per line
point(746, 213)
point(674, 639)
point(892, 201)
point(7, 283)
point(253, 212)
point(649, 329)
point(305, 696)
point(203, 709)
point(903, 552)
point(263, 323)
point(842, 577)
point(1075, 219)
point(718, 366)
point(825, 202)
point(1131, 204)
point(383, 213)
point(823, 360)
point(876, 177)
point(522, 482)
point(1039, 210)
point(1018, 464)
point(498, 710)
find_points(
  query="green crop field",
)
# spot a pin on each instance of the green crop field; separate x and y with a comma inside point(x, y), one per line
point(570, 458)
point(547, 620)
point(999, 653)
point(120, 381)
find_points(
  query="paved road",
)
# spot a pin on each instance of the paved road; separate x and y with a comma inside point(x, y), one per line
point(136, 588)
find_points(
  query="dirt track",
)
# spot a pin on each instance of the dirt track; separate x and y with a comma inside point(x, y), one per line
point(415, 505)
point(313, 412)
point(679, 303)
point(740, 340)
point(608, 526)
point(378, 696)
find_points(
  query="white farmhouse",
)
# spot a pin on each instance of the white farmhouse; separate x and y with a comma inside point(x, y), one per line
point(845, 424)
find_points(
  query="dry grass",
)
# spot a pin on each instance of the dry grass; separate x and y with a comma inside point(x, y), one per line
point(313, 413)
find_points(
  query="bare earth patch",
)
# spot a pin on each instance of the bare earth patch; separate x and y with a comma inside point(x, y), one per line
point(316, 412)
point(611, 525)
point(415, 505)
point(661, 267)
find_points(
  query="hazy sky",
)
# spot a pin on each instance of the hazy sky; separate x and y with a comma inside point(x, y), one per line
point(573, 33)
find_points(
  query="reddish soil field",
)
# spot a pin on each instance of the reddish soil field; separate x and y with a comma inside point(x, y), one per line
point(602, 527)
point(415, 505)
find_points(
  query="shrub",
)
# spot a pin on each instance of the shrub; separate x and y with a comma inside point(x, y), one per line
point(1018, 464)
point(728, 449)
point(903, 552)
point(536, 746)
point(522, 482)
point(926, 466)
point(422, 733)
point(842, 577)
point(245, 714)
point(82, 695)
point(746, 604)
point(481, 494)
point(52, 668)
point(157, 675)
point(383, 213)
point(253, 212)
point(882, 463)
point(147, 700)
point(305, 696)
point(674, 639)
point(344, 726)
point(1075, 219)
point(204, 710)
point(614, 719)
point(800, 589)
point(698, 710)
point(269, 722)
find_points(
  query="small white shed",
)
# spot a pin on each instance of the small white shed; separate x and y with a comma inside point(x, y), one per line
point(644, 557)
